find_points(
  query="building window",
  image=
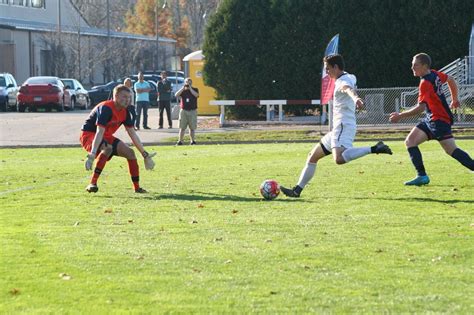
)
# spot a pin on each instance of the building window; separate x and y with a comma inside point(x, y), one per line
point(19, 2)
point(38, 3)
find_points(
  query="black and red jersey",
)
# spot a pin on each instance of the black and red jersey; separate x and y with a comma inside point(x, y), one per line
point(107, 115)
point(437, 107)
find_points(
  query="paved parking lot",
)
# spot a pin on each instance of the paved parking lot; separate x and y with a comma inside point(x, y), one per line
point(62, 129)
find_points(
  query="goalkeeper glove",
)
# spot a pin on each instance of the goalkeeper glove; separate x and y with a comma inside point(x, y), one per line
point(89, 161)
point(149, 163)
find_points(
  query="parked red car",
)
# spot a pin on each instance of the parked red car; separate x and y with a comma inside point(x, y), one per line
point(43, 92)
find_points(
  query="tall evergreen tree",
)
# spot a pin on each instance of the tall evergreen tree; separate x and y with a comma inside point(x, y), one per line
point(274, 48)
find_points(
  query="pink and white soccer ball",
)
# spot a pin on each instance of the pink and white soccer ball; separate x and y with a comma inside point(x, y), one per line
point(270, 189)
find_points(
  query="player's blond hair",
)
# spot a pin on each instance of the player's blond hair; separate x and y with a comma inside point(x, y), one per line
point(119, 88)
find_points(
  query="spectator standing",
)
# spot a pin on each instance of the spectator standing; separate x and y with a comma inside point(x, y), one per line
point(142, 91)
point(128, 83)
point(188, 111)
point(164, 99)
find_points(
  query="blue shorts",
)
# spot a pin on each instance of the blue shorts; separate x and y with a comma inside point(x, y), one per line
point(437, 129)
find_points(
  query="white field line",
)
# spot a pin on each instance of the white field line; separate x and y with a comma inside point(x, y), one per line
point(25, 188)
point(5, 192)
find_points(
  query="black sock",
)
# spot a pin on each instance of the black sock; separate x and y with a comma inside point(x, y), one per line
point(463, 158)
point(297, 189)
point(417, 160)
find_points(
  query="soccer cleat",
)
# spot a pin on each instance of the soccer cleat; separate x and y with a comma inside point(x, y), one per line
point(140, 191)
point(418, 181)
point(290, 192)
point(193, 143)
point(382, 148)
point(92, 188)
point(146, 127)
point(179, 143)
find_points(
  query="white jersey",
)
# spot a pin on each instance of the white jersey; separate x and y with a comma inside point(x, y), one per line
point(343, 105)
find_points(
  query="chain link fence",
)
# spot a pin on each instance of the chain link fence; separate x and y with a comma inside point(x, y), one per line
point(380, 102)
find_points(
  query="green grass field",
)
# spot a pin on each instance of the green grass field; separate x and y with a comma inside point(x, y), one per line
point(203, 240)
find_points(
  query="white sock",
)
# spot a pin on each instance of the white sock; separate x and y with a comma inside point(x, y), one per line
point(306, 174)
point(355, 153)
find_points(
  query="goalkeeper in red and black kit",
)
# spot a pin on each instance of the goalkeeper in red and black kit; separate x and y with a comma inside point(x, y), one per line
point(97, 138)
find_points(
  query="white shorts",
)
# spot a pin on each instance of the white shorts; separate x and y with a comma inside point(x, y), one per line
point(341, 136)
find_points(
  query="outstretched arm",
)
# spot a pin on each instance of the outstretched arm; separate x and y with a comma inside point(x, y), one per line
point(135, 140)
point(396, 117)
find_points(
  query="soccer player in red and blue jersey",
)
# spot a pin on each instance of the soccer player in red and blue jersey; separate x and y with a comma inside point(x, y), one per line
point(438, 120)
point(97, 138)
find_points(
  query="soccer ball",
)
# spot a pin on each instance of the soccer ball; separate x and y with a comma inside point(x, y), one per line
point(270, 189)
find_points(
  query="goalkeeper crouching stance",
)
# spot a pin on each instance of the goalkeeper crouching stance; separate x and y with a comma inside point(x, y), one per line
point(97, 138)
point(339, 140)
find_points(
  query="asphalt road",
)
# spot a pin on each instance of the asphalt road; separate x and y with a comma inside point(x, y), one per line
point(62, 129)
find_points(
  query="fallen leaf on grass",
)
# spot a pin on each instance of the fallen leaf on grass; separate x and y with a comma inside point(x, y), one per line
point(76, 223)
point(235, 211)
point(218, 239)
point(141, 257)
point(15, 291)
point(268, 241)
point(108, 211)
point(200, 205)
point(379, 250)
point(65, 276)
point(273, 292)
point(196, 270)
point(193, 221)
point(228, 261)
point(130, 221)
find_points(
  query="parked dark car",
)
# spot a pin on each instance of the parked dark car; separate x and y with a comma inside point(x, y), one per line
point(168, 72)
point(43, 92)
point(8, 92)
point(147, 77)
point(101, 93)
point(79, 95)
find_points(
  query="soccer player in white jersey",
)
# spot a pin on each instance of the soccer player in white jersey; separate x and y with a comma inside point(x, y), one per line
point(339, 140)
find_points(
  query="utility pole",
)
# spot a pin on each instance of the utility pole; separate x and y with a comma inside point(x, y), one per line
point(157, 24)
point(107, 70)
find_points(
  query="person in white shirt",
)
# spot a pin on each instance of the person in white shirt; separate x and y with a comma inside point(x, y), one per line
point(339, 140)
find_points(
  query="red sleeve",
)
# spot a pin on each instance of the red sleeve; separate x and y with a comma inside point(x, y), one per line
point(442, 76)
point(426, 89)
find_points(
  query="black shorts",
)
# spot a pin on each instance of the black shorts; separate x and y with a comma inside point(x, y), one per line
point(114, 145)
point(437, 129)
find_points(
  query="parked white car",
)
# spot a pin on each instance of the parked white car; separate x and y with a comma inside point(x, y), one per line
point(8, 92)
point(79, 95)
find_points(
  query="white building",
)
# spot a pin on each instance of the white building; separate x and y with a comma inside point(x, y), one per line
point(50, 37)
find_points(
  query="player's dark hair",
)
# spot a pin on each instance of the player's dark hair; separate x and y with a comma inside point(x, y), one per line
point(335, 60)
point(119, 88)
point(424, 59)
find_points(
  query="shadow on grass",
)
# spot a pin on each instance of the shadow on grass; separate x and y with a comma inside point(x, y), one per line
point(203, 196)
